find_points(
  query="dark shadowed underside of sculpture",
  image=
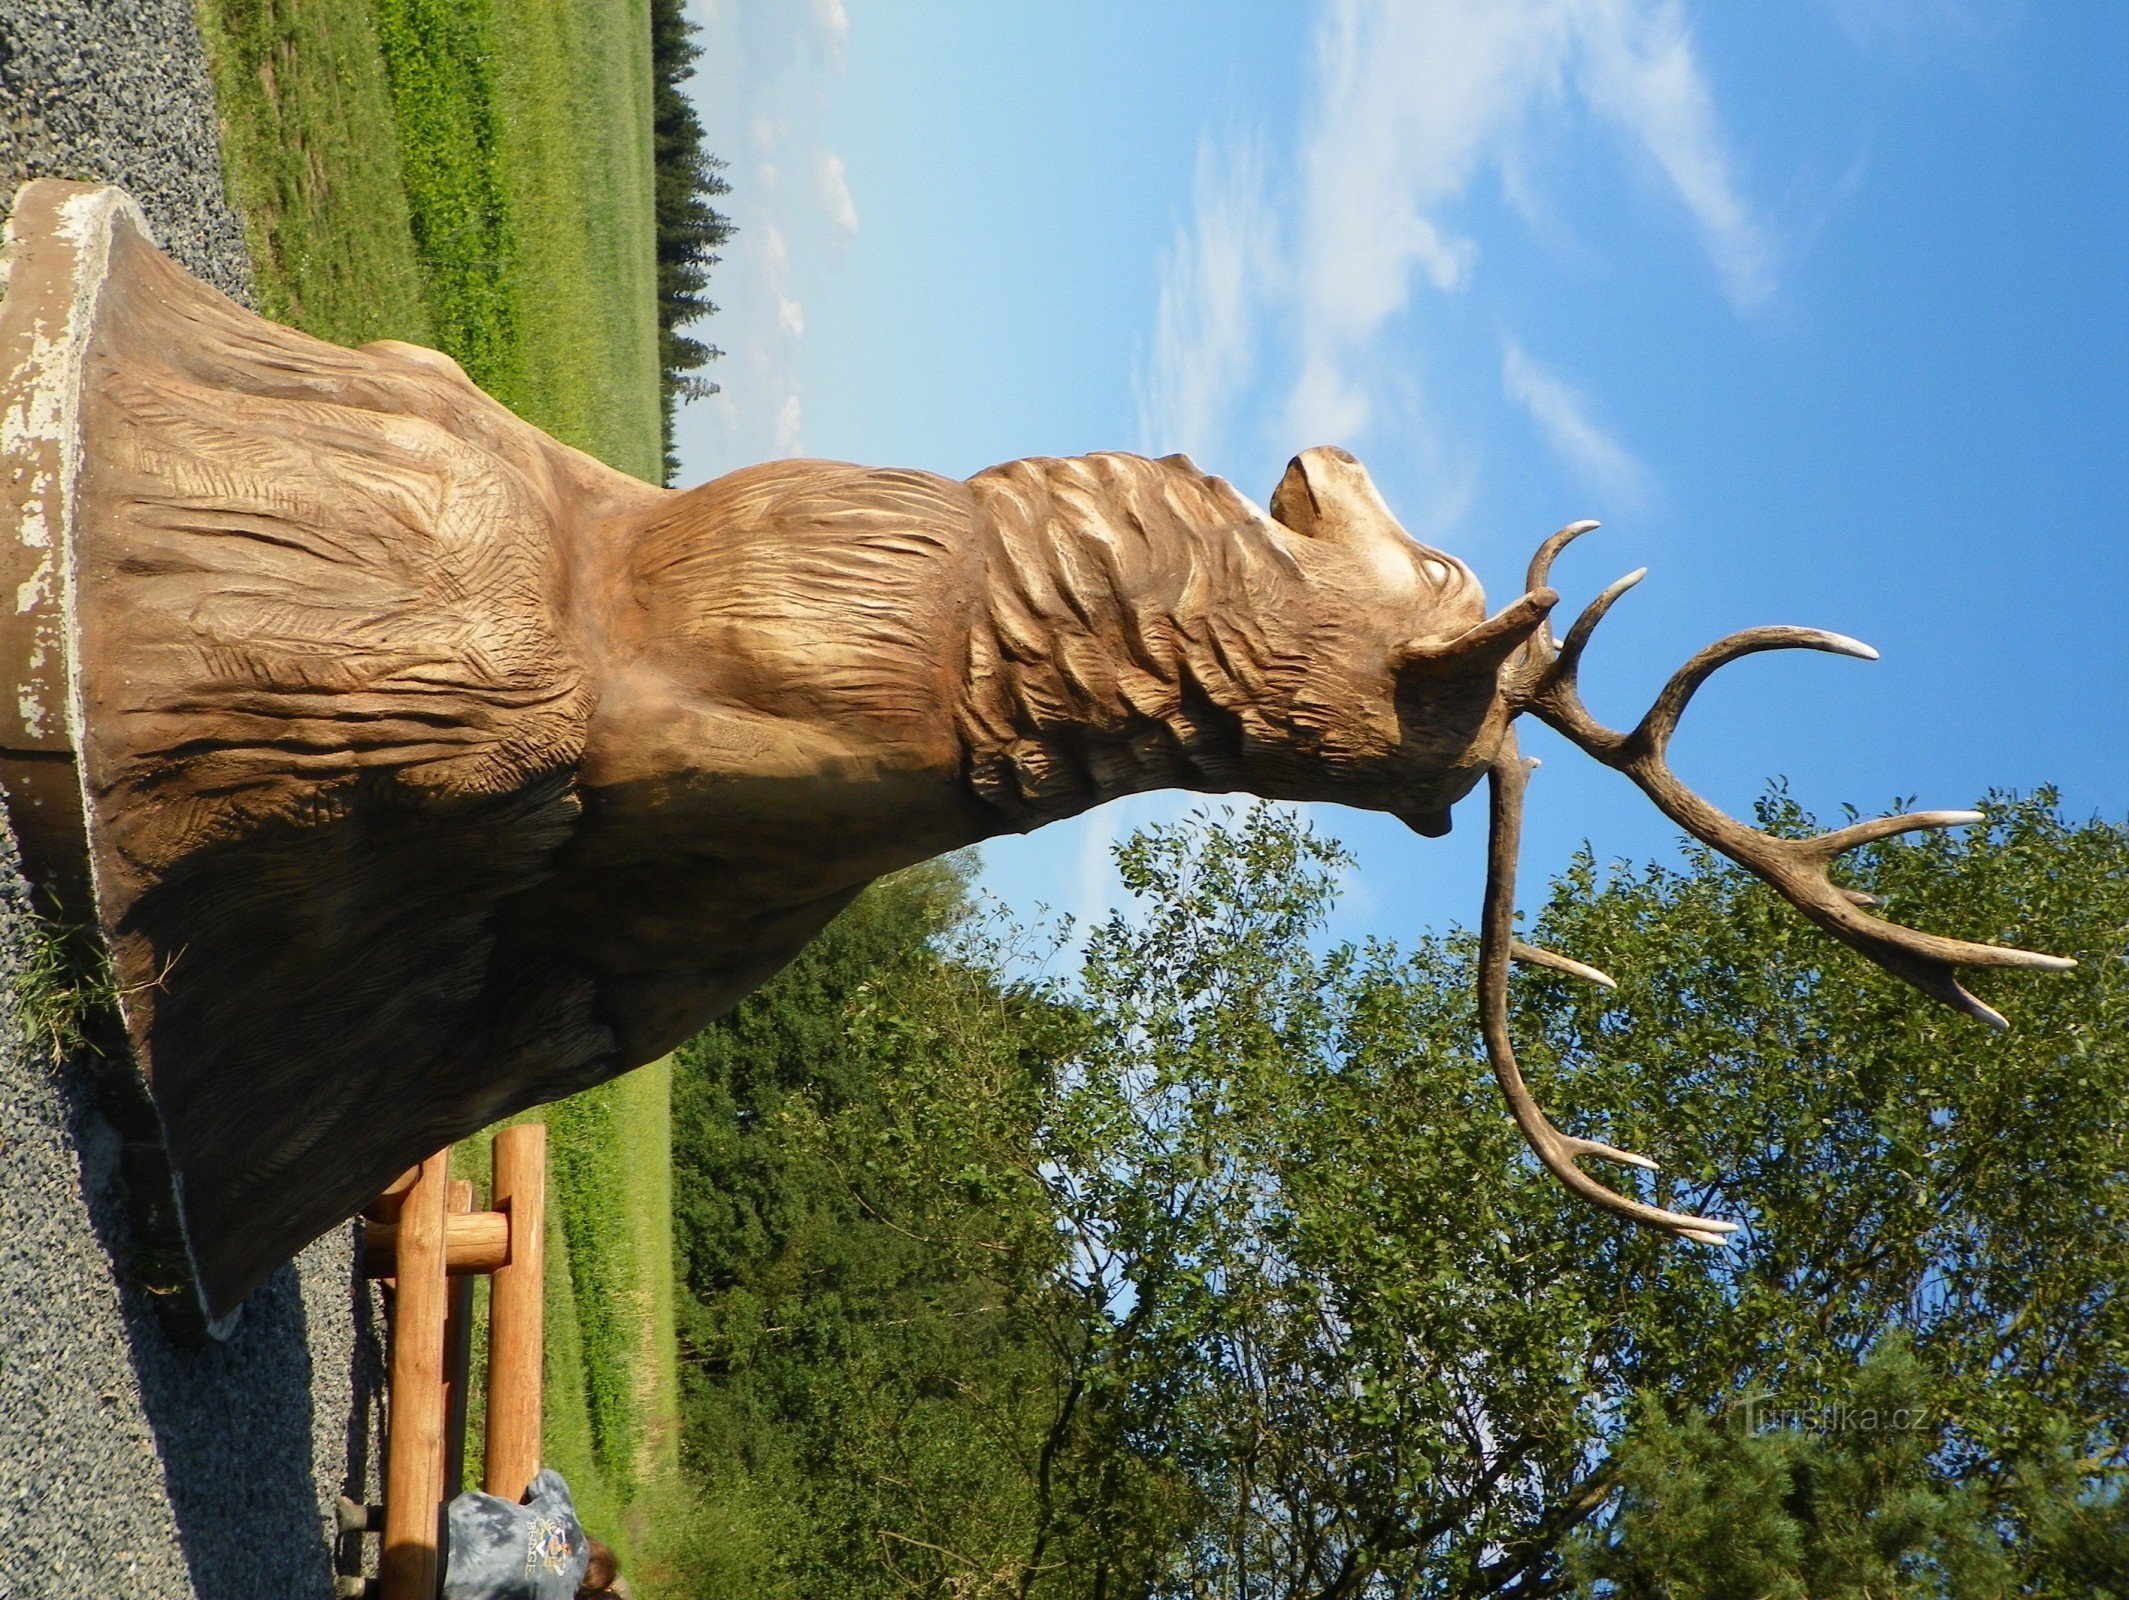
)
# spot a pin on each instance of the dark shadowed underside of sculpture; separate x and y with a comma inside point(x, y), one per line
point(426, 769)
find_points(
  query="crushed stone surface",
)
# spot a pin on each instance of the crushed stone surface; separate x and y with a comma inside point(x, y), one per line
point(137, 1460)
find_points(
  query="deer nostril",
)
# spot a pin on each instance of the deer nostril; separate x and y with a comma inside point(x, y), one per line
point(1430, 824)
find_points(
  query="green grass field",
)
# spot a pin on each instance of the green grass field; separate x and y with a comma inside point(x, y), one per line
point(471, 174)
point(477, 175)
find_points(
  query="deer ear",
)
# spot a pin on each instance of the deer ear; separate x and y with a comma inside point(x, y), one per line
point(1482, 647)
point(1327, 494)
point(1293, 503)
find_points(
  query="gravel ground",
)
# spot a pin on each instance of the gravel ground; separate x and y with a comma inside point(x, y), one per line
point(116, 91)
point(135, 1461)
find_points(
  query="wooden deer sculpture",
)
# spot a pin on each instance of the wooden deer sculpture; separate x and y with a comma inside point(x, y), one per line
point(423, 769)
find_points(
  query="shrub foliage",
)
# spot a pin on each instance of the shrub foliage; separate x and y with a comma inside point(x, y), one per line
point(1218, 1269)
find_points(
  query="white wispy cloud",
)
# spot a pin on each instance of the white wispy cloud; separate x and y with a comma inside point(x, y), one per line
point(831, 182)
point(1412, 99)
point(760, 90)
point(1407, 100)
point(1214, 279)
point(1638, 69)
point(831, 25)
point(1409, 103)
point(1562, 415)
point(1292, 268)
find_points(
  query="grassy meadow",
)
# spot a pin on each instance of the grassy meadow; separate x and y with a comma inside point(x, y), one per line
point(476, 175)
point(470, 174)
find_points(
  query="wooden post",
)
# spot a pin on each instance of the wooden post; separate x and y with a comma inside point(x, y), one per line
point(458, 1354)
point(514, 1313)
point(413, 1480)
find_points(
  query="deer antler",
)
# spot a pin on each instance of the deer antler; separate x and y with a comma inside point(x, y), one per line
point(1496, 947)
point(1543, 680)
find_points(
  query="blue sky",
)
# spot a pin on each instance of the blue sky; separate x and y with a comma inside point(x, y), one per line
point(1823, 308)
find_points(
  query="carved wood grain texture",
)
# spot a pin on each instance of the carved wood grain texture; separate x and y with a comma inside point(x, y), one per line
point(329, 724)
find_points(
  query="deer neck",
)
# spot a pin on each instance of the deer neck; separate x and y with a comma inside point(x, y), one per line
point(1143, 627)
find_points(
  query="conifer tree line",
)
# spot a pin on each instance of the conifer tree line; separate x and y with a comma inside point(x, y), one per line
point(1209, 1265)
point(691, 230)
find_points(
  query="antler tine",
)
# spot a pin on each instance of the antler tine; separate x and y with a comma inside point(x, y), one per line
point(1661, 722)
point(1541, 563)
point(1795, 868)
point(1569, 664)
point(1559, 1152)
point(1542, 642)
point(1862, 833)
point(1552, 676)
point(1537, 956)
point(1824, 847)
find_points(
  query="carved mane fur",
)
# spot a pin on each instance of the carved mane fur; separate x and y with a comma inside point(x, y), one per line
point(1125, 642)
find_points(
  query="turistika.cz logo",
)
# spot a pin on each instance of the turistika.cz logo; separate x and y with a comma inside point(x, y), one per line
point(1766, 1414)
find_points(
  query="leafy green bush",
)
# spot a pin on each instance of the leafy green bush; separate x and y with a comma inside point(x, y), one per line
point(1220, 1270)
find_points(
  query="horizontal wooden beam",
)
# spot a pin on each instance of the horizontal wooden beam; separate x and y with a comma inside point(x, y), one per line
point(474, 1241)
